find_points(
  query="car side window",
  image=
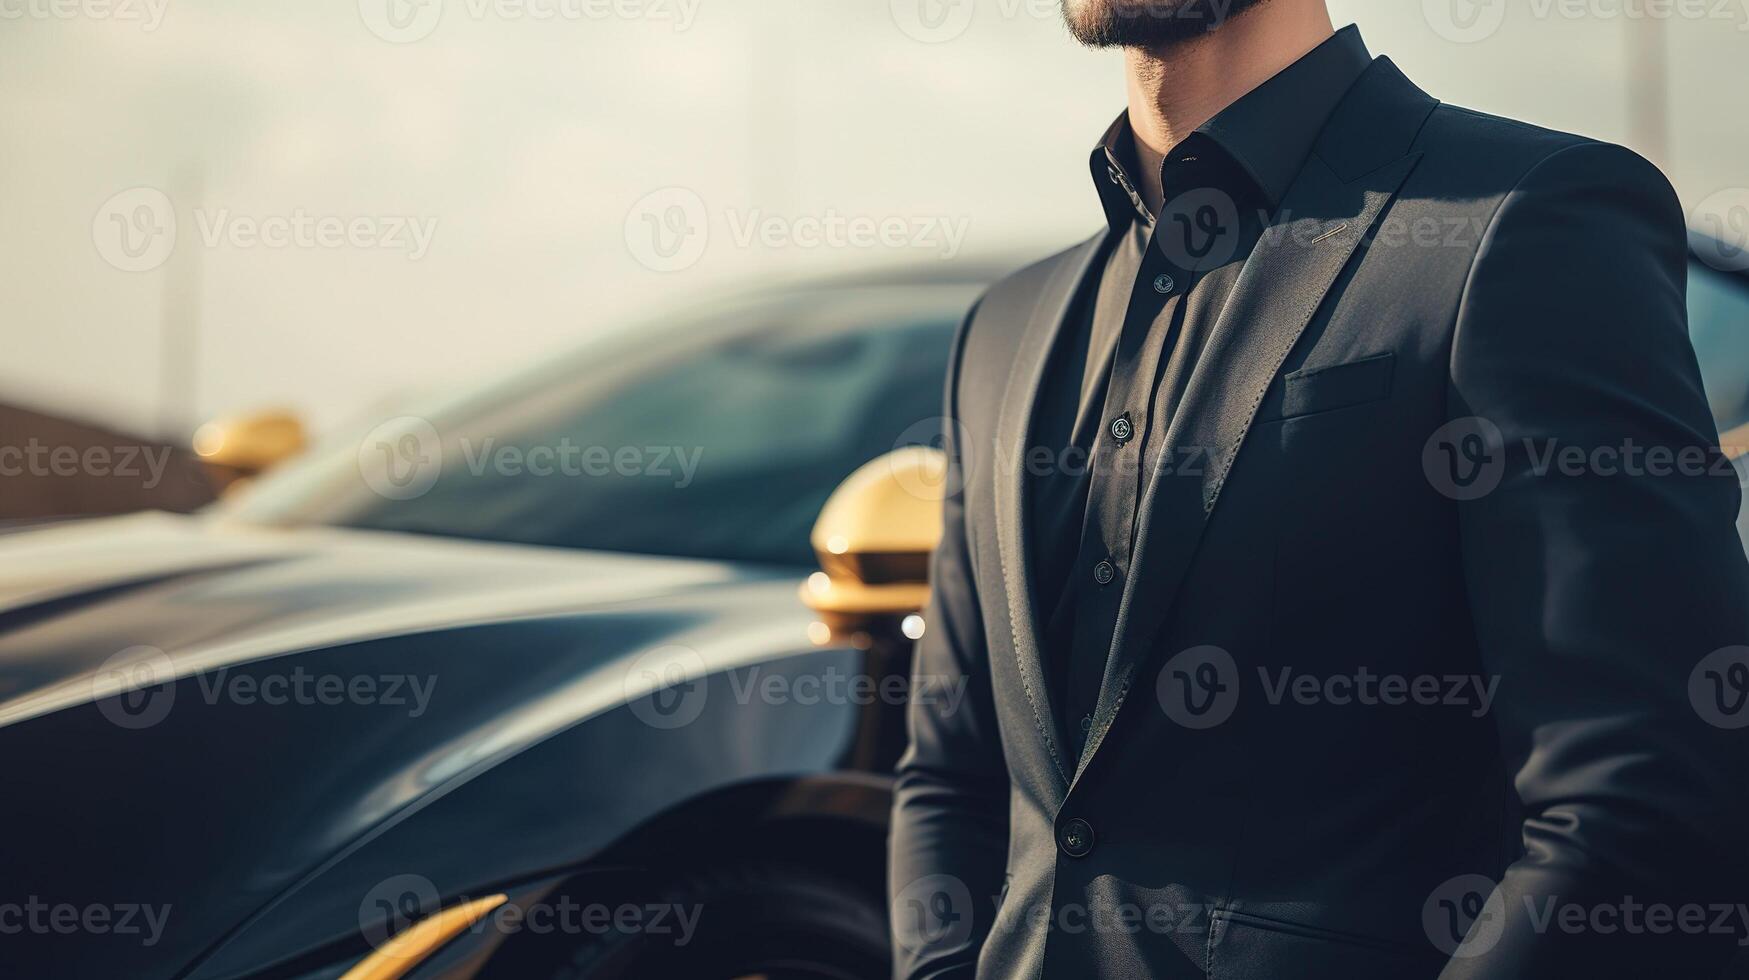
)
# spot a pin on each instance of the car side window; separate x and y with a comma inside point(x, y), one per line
point(1718, 323)
point(761, 430)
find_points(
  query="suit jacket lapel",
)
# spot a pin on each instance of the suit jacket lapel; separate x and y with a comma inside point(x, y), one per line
point(1032, 359)
point(1318, 228)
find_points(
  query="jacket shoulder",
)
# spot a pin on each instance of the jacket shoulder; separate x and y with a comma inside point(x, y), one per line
point(1508, 151)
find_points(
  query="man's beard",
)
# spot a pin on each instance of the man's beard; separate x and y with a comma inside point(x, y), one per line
point(1147, 23)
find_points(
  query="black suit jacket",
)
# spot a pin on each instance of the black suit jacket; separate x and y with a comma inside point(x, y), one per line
point(1359, 484)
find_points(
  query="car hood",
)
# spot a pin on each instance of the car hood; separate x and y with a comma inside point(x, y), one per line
point(198, 594)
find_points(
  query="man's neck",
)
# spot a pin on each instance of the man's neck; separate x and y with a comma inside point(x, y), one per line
point(1176, 88)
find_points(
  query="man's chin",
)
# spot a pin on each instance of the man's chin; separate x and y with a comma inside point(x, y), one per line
point(1147, 23)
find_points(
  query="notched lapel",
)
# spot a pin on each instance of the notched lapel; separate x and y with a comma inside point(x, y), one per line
point(1032, 358)
point(1320, 225)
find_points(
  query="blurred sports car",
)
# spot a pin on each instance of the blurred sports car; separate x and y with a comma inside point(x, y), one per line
point(519, 685)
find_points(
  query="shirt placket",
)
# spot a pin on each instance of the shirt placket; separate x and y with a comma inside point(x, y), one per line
point(1118, 476)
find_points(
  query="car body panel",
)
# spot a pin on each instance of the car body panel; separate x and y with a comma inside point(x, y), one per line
point(283, 817)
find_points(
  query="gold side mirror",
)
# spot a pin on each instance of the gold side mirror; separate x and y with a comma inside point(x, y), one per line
point(245, 445)
point(874, 538)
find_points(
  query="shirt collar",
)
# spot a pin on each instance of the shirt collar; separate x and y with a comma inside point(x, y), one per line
point(1270, 130)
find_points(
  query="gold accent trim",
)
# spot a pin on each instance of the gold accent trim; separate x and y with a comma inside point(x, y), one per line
point(397, 957)
point(251, 443)
point(842, 598)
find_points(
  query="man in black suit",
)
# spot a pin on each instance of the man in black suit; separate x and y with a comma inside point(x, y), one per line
point(1341, 530)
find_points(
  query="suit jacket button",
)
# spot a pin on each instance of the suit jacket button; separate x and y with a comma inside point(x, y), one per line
point(1076, 838)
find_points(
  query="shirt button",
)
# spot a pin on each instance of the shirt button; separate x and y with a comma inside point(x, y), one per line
point(1122, 429)
point(1164, 284)
point(1076, 838)
point(1104, 572)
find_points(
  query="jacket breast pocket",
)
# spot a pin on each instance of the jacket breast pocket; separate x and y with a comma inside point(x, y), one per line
point(1326, 389)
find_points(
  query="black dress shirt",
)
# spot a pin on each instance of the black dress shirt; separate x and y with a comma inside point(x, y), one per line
point(1116, 381)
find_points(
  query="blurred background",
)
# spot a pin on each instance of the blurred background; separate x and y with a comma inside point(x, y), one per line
point(212, 207)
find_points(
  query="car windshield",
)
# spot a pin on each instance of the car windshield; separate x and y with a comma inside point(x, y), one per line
point(715, 436)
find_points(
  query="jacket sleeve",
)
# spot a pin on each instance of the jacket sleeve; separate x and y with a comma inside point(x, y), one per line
point(1602, 569)
point(950, 811)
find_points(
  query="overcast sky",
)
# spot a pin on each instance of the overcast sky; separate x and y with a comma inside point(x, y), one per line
point(377, 196)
